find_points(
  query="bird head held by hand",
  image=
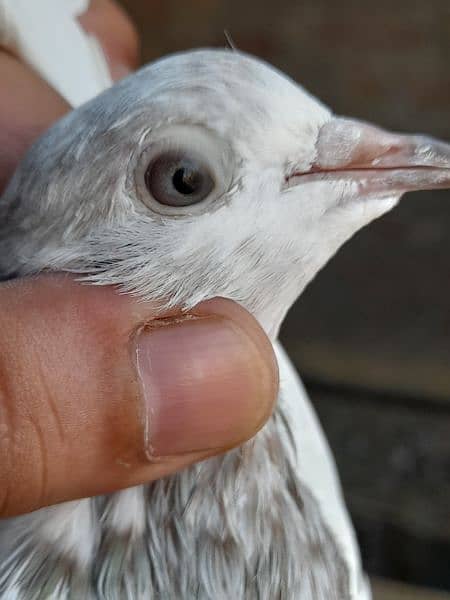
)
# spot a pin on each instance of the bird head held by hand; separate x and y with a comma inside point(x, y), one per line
point(205, 174)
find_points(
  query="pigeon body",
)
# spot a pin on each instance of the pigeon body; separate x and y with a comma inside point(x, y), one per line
point(205, 174)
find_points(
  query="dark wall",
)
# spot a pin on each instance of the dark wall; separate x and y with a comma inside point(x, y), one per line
point(371, 335)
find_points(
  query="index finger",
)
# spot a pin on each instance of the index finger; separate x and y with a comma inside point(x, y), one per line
point(29, 106)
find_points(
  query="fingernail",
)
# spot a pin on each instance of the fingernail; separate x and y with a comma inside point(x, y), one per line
point(207, 384)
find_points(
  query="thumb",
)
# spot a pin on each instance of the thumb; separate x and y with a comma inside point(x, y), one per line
point(98, 394)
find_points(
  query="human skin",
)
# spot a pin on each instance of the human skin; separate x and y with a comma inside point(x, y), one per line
point(84, 370)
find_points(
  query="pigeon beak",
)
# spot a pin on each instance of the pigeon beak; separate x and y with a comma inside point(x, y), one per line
point(380, 161)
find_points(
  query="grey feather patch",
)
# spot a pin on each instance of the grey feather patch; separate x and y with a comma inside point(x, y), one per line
point(37, 572)
point(122, 568)
point(211, 532)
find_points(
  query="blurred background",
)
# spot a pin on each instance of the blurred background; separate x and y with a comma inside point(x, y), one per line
point(371, 335)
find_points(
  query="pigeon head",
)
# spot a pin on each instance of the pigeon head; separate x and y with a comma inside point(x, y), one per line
point(207, 173)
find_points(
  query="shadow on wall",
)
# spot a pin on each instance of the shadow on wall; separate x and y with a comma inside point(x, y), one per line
point(371, 336)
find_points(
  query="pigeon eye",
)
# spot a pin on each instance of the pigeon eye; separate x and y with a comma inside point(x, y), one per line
point(182, 170)
point(177, 179)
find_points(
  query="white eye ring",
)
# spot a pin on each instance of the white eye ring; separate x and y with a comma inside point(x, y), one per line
point(186, 147)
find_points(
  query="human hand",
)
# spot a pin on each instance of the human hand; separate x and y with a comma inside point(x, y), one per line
point(97, 392)
point(28, 105)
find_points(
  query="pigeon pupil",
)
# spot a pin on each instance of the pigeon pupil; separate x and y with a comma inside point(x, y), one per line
point(177, 179)
point(187, 181)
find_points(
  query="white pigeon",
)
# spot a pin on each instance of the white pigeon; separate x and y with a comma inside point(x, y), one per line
point(205, 174)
